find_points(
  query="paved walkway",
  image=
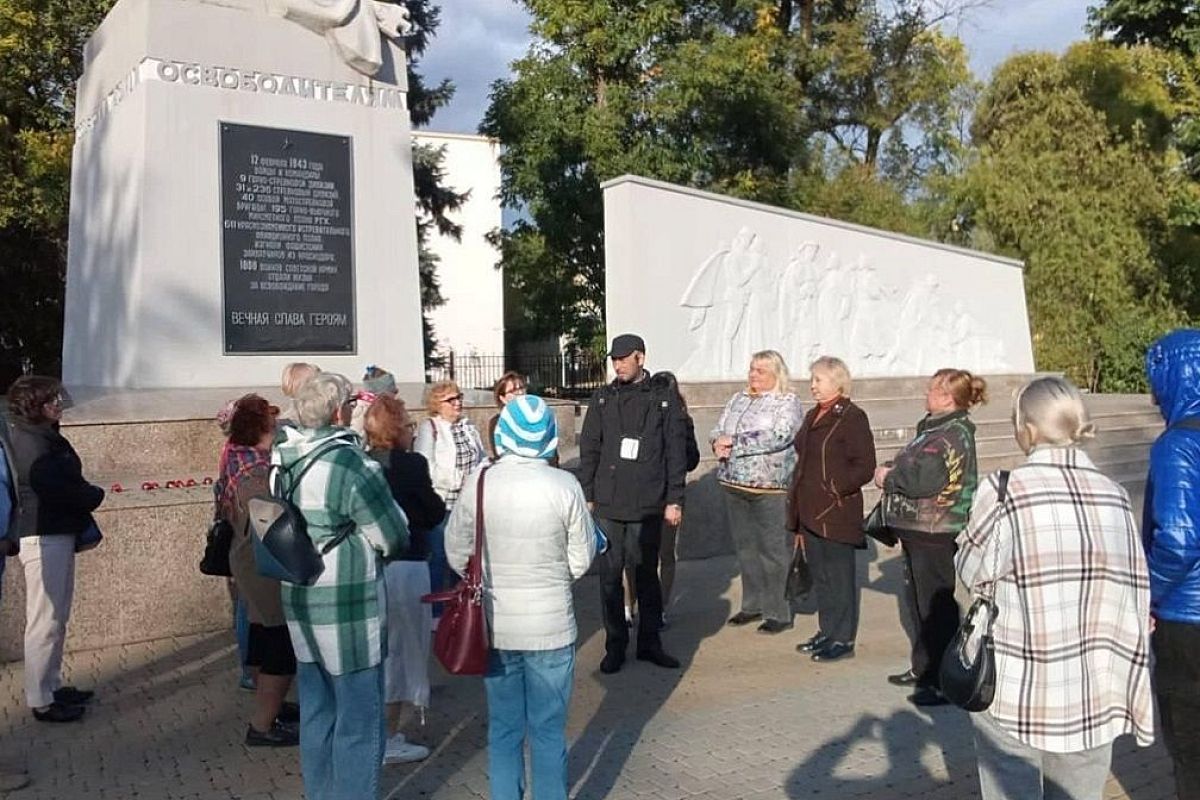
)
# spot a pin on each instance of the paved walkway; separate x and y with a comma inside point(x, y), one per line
point(746, 718)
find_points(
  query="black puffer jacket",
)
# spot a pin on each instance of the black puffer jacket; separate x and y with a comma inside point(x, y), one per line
point(55, 498)
point(630, 489)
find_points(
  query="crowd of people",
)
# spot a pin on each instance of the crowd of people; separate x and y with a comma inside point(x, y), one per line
point(1093, 617)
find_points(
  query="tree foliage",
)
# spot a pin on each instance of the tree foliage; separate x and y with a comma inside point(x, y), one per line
point(41, 48)
point(761, 99)
point(1070, 177)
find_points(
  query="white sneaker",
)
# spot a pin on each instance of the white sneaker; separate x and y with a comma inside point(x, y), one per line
point(401, 751)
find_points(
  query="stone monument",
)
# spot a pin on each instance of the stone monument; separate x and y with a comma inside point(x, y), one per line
point(731, 277)
point(241, 195)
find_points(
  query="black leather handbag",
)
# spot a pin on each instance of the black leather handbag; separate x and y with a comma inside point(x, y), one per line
point(968, 679)
point(876, 526)
point(216, 549)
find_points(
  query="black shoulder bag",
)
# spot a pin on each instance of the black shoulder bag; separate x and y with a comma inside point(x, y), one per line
point(969, 681)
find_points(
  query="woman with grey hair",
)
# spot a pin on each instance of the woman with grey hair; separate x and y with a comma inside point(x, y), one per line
point(835, 456)
point(753, 443)
point(1057, 550)
point(336, 624)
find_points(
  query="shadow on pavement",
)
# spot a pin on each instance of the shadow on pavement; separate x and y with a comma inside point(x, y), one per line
point(633, 696)
point(908, 742)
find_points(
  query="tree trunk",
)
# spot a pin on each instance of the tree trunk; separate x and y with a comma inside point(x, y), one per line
point(784, 19)
point(874, 138)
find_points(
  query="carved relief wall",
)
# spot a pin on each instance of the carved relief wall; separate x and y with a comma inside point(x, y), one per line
point(708, 280)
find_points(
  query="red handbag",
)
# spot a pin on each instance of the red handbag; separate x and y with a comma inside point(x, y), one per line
point(461, 642)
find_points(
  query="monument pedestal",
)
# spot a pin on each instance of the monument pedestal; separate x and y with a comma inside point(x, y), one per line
point(241, 198)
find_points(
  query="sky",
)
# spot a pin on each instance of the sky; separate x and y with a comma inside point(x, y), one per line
point(478, 39)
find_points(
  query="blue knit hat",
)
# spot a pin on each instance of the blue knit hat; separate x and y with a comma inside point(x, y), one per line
point(527, 428)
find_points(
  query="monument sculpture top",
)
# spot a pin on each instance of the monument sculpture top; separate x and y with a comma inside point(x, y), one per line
point(353, 28)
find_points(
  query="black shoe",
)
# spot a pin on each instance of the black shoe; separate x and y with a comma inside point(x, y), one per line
point(58, 712)
point(814, 644)
point(70, 696)
point(774, 626)
point(612, 662)
point(289, 712)
point(928, 696)
point(658, 657)
point(906, 678)
point(834, 651)
point(277, 736)
point(744, 618)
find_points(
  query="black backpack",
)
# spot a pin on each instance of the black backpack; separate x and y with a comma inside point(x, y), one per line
point(283, 549)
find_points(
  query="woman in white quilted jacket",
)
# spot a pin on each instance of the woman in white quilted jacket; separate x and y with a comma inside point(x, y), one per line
point(539, 538)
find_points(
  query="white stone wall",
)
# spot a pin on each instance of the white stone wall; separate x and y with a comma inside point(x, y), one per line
point(144, 284)
point(472, 320)
point(707, 280)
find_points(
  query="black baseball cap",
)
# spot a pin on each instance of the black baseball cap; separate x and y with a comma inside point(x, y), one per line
point(625, 344)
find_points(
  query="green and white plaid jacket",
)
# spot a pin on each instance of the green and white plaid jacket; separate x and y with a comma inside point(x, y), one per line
point(338, 621)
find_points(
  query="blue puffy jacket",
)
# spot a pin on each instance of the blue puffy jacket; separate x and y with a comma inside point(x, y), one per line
point(1171, 527)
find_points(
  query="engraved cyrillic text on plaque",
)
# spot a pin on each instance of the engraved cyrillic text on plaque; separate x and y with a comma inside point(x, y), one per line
point(287, 219)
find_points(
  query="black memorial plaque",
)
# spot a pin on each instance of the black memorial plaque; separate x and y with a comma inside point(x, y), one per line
point(287, 220)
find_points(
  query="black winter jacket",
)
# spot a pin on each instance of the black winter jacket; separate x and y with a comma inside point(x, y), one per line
point(55, 497)
point(408, 477)
point(624, 489)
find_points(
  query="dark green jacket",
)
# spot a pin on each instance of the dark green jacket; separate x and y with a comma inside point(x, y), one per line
point(933, 479)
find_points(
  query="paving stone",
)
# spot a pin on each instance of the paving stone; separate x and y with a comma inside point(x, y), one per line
point(747, 718)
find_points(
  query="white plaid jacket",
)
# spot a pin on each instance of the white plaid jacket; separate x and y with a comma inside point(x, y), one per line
point(1073, 633)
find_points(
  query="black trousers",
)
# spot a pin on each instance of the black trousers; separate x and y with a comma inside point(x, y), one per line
point(929, 590)
point(1177, 684)
point(635, 544)
point(835, 580)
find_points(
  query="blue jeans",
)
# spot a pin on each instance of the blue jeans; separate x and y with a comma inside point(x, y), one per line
point(528, 693)
point(341, 732)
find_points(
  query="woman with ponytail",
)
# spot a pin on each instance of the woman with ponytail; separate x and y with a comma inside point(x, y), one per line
point(927, 490)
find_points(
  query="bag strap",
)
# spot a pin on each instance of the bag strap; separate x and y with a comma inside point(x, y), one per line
point(308, 460)
point(1187, 423)
point(990, 598)
point(476, 565)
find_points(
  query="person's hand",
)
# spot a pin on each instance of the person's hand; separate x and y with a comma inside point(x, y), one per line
point(591, 505)
point(881, 474)
point(673, 514)
point(723, 447)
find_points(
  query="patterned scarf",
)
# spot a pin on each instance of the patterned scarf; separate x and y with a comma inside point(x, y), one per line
point(235, 459)
point(465, 454)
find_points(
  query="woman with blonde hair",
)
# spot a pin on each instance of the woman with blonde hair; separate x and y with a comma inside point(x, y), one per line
point(1055, 547)
point(927, 493)
point(835, 456)
point(753, 443)
point(294, 376)
point(453, 448)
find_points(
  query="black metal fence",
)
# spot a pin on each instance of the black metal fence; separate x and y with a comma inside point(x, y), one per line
point(569, 375)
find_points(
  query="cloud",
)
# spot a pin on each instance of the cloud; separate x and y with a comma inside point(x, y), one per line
point(475, 44)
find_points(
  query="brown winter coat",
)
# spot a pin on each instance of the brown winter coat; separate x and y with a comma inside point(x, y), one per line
point(836, 457)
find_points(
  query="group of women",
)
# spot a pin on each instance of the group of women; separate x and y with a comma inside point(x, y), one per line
point(1057, 550)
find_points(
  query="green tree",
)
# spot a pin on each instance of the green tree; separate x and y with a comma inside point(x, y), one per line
point(1168, 24)
point(762, 99)
point(1085, 199)
point(435, 201)
point(41, 48)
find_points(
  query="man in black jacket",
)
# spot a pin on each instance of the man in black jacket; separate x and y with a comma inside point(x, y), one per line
point(632, 465)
